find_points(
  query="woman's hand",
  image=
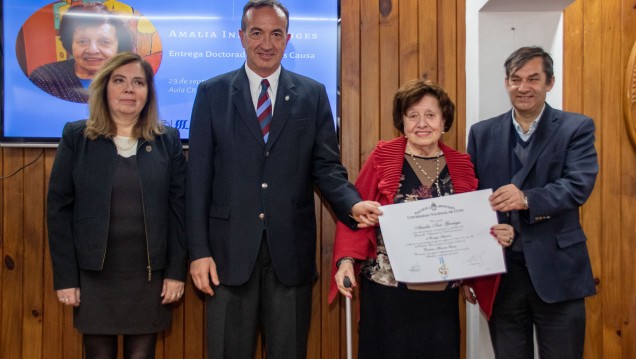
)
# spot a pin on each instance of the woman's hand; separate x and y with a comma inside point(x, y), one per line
point(172, 290)
point(69, 296)
point(468, 294)
point(504, 233)
point(345, 270)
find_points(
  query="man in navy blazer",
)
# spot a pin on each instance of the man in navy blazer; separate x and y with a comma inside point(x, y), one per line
point(542, 165)
point(250, 194)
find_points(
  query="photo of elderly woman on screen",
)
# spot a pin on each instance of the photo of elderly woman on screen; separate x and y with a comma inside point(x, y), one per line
point(90, 35)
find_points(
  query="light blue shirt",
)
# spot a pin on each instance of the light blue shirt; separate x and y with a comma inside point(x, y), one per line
point(533, 126)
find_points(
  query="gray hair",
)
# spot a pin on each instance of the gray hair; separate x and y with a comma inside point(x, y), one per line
point(521, 56)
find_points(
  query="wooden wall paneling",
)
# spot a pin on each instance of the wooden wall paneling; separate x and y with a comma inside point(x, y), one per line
point(427, 39)
point(628, 199)
point(194, 327)
point(72, 345)
point(160, 345)
point(3, 288)
point(447, 56)
point(13, 209)
point(53, 311)
point(573, 43)
point(460, 100)
point(369, 52)
point(33, 238)
point(3, 268)
point(389, 65)
point(408, 40)
point(591, 106)
point(350, 91)
point(628, 239)
point(578, 64)
point(611, 83)
point(173, 338)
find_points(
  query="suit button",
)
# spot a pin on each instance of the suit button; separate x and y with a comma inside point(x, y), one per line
point(264, 185)
point(266, 153)
point(261, 216)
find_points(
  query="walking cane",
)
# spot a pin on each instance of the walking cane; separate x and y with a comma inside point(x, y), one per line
point(347, 284)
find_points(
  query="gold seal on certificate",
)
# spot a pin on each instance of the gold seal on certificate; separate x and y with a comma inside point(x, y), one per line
point(426, 239)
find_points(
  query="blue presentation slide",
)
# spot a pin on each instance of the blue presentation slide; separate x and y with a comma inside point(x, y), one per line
point(187, 42)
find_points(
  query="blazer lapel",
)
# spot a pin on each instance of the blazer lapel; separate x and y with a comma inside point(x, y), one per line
point(500, 138)
point(285, 98)
point(242, 100)
point(544, 132)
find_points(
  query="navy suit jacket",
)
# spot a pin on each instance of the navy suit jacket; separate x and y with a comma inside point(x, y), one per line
point(557, 180)
point(239, 186)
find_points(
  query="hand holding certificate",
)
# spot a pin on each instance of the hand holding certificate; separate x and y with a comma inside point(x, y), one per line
point(442, 239)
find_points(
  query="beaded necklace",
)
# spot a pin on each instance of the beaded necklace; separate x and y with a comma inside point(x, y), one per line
point(124, 149)
point(434, 180)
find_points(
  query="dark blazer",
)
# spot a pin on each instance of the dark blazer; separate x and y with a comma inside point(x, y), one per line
point(238, 186)
point(78, 208)
point(557, 180)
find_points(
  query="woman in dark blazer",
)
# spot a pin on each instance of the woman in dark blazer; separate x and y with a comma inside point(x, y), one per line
point(115, 214)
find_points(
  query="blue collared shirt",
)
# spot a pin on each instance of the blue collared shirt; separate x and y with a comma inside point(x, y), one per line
point(533, 126)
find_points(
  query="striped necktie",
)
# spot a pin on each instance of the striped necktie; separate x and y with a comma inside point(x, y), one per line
point(264, 109)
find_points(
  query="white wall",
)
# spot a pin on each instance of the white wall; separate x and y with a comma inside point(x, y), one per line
point(500, 33)
point(494, 29)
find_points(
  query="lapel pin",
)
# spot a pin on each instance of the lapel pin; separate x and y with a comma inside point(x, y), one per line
point(287, 98)
point(148, 148)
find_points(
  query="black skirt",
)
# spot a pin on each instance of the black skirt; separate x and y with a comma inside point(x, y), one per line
point(396, 322)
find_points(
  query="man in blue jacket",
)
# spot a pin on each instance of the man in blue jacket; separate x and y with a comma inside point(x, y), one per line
point(542, 165)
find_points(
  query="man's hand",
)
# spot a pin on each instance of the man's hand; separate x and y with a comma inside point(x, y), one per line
point(366, 213)
point(201, 271)
point(507, 198)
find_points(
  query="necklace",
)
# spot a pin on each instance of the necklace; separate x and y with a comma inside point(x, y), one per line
point(421, 169)
point(124, 149)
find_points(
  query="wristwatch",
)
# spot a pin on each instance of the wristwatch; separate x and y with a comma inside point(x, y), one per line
point(525, 201)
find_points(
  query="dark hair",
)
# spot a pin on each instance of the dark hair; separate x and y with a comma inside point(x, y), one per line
point(90, 15)
point(257, 4)
point(521, 56)
point(100, 122)
point(412, 92)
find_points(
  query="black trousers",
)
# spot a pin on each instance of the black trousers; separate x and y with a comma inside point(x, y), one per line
point(560, 327)
point(236, 313)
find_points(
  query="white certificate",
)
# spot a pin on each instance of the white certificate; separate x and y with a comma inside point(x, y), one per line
point(442, 238)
